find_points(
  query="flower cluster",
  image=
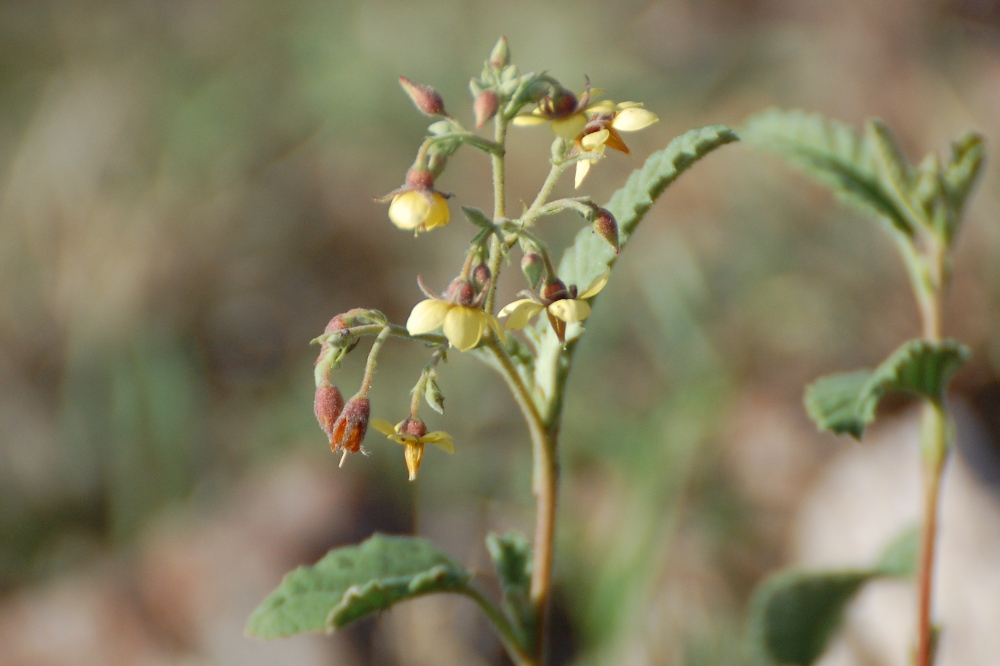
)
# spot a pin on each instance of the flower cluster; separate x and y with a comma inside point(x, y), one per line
point(463, 316)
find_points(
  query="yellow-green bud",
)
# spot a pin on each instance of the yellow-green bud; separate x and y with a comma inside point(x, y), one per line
point(500, 56)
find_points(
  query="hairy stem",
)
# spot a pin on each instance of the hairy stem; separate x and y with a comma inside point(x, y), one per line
point(935, 445)
point(366, 382)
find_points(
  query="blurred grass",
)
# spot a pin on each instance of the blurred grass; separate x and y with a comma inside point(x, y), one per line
point(185, 201)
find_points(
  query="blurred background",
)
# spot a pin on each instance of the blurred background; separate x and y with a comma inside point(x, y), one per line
point(186, 200)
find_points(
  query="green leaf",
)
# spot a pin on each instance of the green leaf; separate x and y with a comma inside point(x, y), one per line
point(846, 403)
point(794, 613)
point(478, 218)
point(962, 170)
point(511, 556)
point(832, 152)
point(590, 255)
point(351, 582)
point(896, 173)
point(899, 559)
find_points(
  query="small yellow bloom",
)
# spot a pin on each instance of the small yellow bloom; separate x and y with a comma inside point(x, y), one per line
point(568, 309)
point(566, 112)
point(415, 210)
point(462, 325)
point(606, 120)
point(413, 435)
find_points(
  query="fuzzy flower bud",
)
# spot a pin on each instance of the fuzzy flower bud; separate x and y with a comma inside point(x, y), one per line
point(485, 107)
point(481, 276)
point(606, 227)
point(500, 56)
point(424, 97)
point(348, 431)
point(533, 266)
point(328, 405)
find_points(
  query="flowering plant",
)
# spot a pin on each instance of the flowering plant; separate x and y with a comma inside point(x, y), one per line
point(534, 362)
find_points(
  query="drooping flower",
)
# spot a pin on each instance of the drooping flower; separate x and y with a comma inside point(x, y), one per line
point(350, 427)
point(459, 314)
point(605, 120)
point(412, 434)
point(417, 206)
point(561, 304)
point(328, 404)
point(419, 211)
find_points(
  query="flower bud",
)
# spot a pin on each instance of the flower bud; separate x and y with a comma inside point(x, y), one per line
point(328, 405)
point(481, 276)
point(424, 97)
point(460, 292)
point(533, 267)
point(485, 107)
point(419, 179)
point(554, 290)
point(606, 227)
point(414, 427)
point(500, 56)
point(560, 103)
point(348, 431)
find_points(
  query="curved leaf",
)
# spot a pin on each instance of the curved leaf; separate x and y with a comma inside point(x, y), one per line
point(589, 255)
point(793, 614)
point(511, 555)
point(354, 581)
point(846, 402)
point(832, 152)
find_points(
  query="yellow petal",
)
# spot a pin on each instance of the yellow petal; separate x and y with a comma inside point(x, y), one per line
point(440, 439)
point(627, 105)
point(408, 210)
point(427, 316)
point(595, 287)
point(594, 140)
point(570, 310)
point(437, 214)
point(633, 118)
point(520, 312)
point(528, 120)
point(582, 169)
point(604, 106)
point(413, 454)
point(464, 327)
point(570, 127)
point(495, 325)
point(382, 426)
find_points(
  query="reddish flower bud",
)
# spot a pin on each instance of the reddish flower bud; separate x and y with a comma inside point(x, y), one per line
point(414, 427)
point(460, 292)
point(481, 275)
point(606, 227)
point(554, 290)
point(560, 103)
point(424, 97)
point(420, 179)
point(348, 431)
point(485, 107)
point(328, 405)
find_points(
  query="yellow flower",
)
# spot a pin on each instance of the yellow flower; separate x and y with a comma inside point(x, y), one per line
point(462, 325)
point(416, 210)
point(606, 120)
point(413, 435)
point(562, 305)
point(567, 114)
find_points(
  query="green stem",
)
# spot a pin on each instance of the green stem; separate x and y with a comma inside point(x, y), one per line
point(366, 382)
point(499, 209)
point(511, 641)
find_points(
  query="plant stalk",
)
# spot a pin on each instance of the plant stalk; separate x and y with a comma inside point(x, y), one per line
point(934, 446)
